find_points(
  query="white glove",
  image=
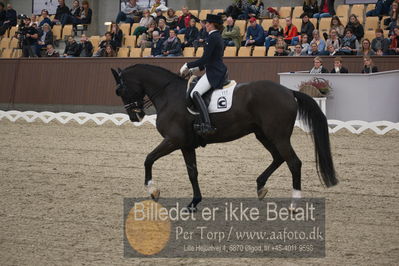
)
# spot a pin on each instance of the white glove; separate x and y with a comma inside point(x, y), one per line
point(184, 69)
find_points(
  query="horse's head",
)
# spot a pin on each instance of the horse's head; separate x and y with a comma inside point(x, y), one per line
point(132, 95)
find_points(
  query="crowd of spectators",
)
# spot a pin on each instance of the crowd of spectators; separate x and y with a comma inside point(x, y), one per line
point(159, 27)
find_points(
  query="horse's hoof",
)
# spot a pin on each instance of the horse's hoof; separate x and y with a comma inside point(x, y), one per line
point(262, 193)
point(293, 207)
point(156, 194)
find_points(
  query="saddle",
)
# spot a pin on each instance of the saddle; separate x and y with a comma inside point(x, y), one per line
point(207, 96)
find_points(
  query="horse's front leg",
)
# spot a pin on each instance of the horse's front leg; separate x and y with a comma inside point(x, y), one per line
point(191, 164)
point(164, 148)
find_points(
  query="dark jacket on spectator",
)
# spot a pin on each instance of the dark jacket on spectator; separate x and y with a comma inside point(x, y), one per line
point(275, 32)
point(72, 49)
point(357, 30)
point(87, 19)
point(310, 10)
point(202, 34)
point(86, 49)
point(367, 70)
point(284, 53)
point(191, 35)
point(104, 43)
point(2, 17)
point(44, 21)
point(341, 70)
point(158, 18)
point(173, 47)
point(330, 6)
point(156, 47)
point(380, 43)
point(55, 54)
point(164, 33)
point(117, 38)
point(184, 21)
point(308, 29)
point(76, 12)
point(49, 39)
point(11, 15)
point(61, 11)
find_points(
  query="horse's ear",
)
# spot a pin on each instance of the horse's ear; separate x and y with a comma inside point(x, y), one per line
point(116, 75)
point(119, 71)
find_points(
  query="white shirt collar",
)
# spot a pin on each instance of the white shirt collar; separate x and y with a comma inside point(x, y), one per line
point(212, 31)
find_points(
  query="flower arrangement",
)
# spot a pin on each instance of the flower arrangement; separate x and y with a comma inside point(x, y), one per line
point(316, 87)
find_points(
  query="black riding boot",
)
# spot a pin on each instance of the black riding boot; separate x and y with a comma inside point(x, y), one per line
point(205, 128)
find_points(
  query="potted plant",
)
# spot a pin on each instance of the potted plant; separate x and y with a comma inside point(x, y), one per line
point(316, 87)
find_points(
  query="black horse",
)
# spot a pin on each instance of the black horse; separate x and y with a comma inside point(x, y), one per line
point(264, 108)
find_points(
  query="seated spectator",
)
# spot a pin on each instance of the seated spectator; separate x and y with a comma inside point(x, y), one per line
point(61, 12)
point(158, 16)
point(355, 26)
point(304, 43)
point(2, 14)
point(310, 8)
point(379, 42)
point(321, 44)
point(318, 66)
point(337, 25)
point(290, 32)
point(202, 36)
point(350, 45)
point(255, 34)
point(365, 49)
point(253, 10)
point(368, 66)
point(297, 51)
point(394, 46)
point(331, 51)
point(34, 22)
point(108, 41)
point(117, 35)
point(235, 9)
point(45, 38)
point(281, 42)
point(108, 52)
point(280, 51)
point(71, 48)
point(381, 8)
point(10, 19)
point(74, 13)
point(231, 34)
point(156, 7)
point(184, 21)
point(51, 52)
point(172, 46)
point(85, 14)
point(145, 22)
point(156, 45)
point(393, 14)
point(326, 9)
point(46, 18)
point(85, 47)
point(314, 51)
point(191, 34)
point(171, 19)
point(334, 40)
point(129, 12)
point(307, 27)
point(163, 29)
point(146, 37)
point(274, 31)
point(338, 68)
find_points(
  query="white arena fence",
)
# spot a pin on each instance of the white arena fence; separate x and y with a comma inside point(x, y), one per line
point(354, 126)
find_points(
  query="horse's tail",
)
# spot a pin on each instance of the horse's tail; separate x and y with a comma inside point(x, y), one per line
point(313, 117)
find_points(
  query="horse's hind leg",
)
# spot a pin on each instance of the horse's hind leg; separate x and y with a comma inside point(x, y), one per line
point(191, 164)
point(294, 164)
point(277, 161)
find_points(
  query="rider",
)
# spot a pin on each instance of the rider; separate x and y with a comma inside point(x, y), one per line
point(212, 61)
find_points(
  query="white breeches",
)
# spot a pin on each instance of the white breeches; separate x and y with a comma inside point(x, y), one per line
point(202, 86)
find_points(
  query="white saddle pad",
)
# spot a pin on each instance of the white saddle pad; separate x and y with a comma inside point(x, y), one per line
point(222, 100)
